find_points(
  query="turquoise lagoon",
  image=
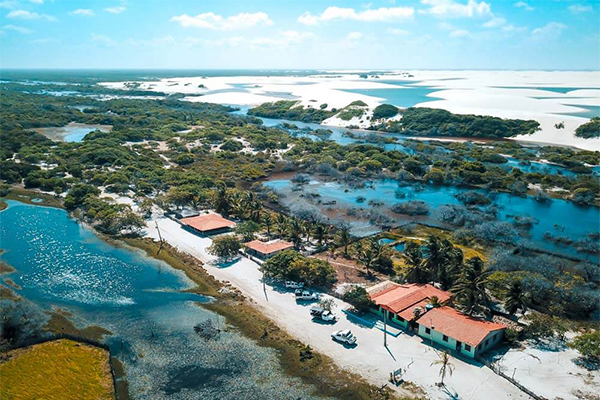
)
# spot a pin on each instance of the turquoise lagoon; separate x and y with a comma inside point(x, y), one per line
point(60, 264)
point(559, 217)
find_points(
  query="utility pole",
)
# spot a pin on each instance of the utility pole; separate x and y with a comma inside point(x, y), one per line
point(159, 237)
point(385, 327)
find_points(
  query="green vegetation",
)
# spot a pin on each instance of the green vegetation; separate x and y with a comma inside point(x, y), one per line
point(68, 370)
point(225, 247)
point(436, 122)
point(355, 109)
point(291, 265)
point(385, 111)
point(359, 298)
point(588, 345)
point(589, 130)
point(290, 109)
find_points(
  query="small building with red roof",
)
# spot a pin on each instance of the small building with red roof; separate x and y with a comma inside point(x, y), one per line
point(459, 332)
point(404, 303)
point(208, 224)
point(265, 250)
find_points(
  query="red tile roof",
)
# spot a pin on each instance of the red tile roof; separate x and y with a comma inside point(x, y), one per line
point(268, 247)
point(402, 299)
point(456, 325)
point(208, 222)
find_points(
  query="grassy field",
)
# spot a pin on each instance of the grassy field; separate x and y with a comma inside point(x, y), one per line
point(60, 370)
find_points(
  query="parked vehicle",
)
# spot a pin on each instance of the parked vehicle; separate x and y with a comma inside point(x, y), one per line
point(305, 294)
point(294, 285)
point(321, 313)
point(344, 336)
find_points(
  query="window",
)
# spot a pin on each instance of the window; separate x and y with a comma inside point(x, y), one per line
point(445, 338)
point(467, 347)
point(486, 342)
point(428, 331)
point(399, 318)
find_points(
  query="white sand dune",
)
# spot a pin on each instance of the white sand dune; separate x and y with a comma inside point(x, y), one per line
point(505, 94)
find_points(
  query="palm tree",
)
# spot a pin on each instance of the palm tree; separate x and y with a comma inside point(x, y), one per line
point(516, 298)
point(447, 366)
point(413, 257)
point(282, 224)
point(320, 233)
point(367, 253)
point(470, 293)
point(268, 221)
point(223, 200)
point(434, 302)
point(433, 253)
point(343, 239)
point(295, 232)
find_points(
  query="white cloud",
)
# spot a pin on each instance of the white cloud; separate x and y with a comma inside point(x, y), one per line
point(283, 38)
point(455, 9)
point(548, 31)
point(579, 8)
point(86, 12)
point(19, 29)
point(23, 14)
point(382, 14)
point(106, 41)
point(115, 10)
point(459, 33)
point(397, 32)
point(525, 6)
point(453, 31)
point(10, 4)
point(43, 41)
point(495, 22)
point(37, 1)
point(214, 21)
point(354, 36)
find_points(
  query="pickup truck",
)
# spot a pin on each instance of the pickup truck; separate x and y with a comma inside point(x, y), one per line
point(344, 336)
point(294, 285)
point(304, 294)
point(322, 314)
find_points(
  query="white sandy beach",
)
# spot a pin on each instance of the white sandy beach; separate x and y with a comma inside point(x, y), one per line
point(370, 359)
point(505, 94)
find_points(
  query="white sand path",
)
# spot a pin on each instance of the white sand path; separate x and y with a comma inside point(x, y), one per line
point(370, 358)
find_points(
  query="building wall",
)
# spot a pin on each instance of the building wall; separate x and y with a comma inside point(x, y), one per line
point(492, 339)
point(438, 337)
point(392, 318)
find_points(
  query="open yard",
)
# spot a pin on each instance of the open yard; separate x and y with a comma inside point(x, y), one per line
point(60, 370)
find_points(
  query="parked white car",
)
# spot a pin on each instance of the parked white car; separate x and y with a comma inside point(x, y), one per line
point(344, 336)
point(304, 294)
point(294, 285)
point(322, 314)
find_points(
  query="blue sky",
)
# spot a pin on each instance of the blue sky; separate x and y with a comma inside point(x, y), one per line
point(385, 34)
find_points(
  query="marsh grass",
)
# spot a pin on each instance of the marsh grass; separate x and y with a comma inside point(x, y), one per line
point(57, 370)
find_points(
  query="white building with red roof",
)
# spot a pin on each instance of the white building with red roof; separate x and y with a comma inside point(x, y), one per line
point(266, 250)
point(208, 224)
point(405, 303)
point(459, 332)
